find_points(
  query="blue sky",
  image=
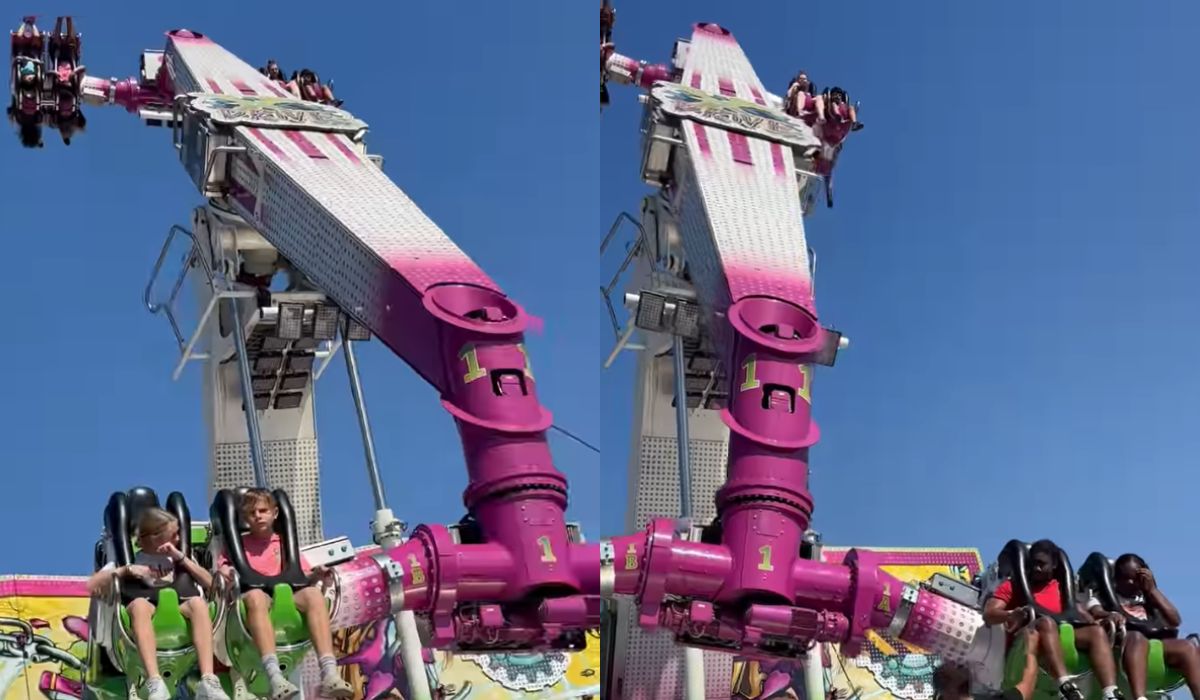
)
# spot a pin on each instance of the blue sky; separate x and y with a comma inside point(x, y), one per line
point(486, 115)
point(1012, 255)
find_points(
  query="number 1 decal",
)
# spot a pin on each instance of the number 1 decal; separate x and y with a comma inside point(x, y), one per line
point(804, 391)
point(547, 553)
point(750, 365)
point(525, 354)
point(470, 356)
point(765, 564)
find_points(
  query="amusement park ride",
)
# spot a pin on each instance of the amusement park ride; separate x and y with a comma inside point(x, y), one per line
point(719, 291)
point(291, 193)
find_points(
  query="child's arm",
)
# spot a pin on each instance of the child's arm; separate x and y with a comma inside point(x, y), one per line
point(198, 573)
point(100, 582)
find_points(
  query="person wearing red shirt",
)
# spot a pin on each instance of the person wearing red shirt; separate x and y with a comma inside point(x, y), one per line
point(1006, 607)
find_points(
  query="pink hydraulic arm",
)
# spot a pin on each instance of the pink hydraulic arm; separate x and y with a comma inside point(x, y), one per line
point(511, 576)
point(740, 584)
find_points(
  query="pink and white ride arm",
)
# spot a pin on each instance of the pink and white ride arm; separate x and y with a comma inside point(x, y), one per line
point(311, 191)
point(734, 187)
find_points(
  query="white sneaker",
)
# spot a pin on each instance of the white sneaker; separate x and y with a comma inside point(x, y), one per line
point(156, 689)
point(283, 689)
point(334, 686)
point(209, 688)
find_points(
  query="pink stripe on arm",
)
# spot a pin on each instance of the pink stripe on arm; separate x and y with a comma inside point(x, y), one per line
point(702, 138)
point(306, 147)
point(340, 142)
point(726, 86)
point(777, 159)
point(212, 85)
point(276, 150)
point(757, 96)
point(696, 80)
point(741, 148)
point(243, 87)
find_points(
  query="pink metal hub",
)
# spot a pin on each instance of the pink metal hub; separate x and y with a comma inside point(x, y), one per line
point(691, 589)
point(434, 576)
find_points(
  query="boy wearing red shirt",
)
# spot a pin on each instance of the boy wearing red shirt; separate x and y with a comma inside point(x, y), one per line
point(264, 555)
point(1006, 608)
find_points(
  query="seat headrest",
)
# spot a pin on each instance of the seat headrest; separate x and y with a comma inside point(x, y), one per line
point(1013, 563)
point(229, 525)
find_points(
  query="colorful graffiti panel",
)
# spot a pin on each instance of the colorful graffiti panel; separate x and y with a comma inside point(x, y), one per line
point(43, 652)
point(887, 668)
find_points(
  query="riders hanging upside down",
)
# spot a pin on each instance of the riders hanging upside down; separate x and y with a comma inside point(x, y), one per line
point(1007, 608)
point(800, 102)
point(307, 86)
point(1140, 598)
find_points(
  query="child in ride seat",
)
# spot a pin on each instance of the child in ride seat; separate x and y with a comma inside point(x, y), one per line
point(264, 555)
point(952, 680)
point(159, 564)
point(1138, 594)
point(1006, 608)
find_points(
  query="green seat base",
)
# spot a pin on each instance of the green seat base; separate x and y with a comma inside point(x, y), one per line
point(1159, 678)
point(291, 639)
point(173, 639)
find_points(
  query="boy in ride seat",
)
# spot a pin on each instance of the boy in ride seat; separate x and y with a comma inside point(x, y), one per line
point(159, 564)
point(264, 555)
point(1138, 595)
point(1006, 607)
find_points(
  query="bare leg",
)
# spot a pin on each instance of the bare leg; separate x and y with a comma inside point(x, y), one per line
point(819, 104)
point(140, 613)
point(196, 611)
point(1028, 681)
point(1134, 661)
point(1049, 649)
point(1094, 641)
point(310, 602)
point(1183, 656)
point(258, 621)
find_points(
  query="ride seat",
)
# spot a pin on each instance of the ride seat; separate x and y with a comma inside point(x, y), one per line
point(1013, 564)
point(172, 630)
point(1098, 576)
point(229, 526)
point(120, 521)
point(291, 631)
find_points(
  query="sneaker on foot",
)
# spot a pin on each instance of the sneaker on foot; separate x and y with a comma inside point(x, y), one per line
point(209, 688)
point(1070, 691)
point(156, 689)
point(334, 686)
point(283, 689)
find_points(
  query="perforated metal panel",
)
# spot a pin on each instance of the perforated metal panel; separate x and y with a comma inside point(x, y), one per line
point(658, 477)
point(291, 465)
point(651, 665)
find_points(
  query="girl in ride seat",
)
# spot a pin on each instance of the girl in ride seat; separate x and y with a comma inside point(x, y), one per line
point(1006, 608)
point(159, 564)
point(1138, 594)
point(264, 555)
